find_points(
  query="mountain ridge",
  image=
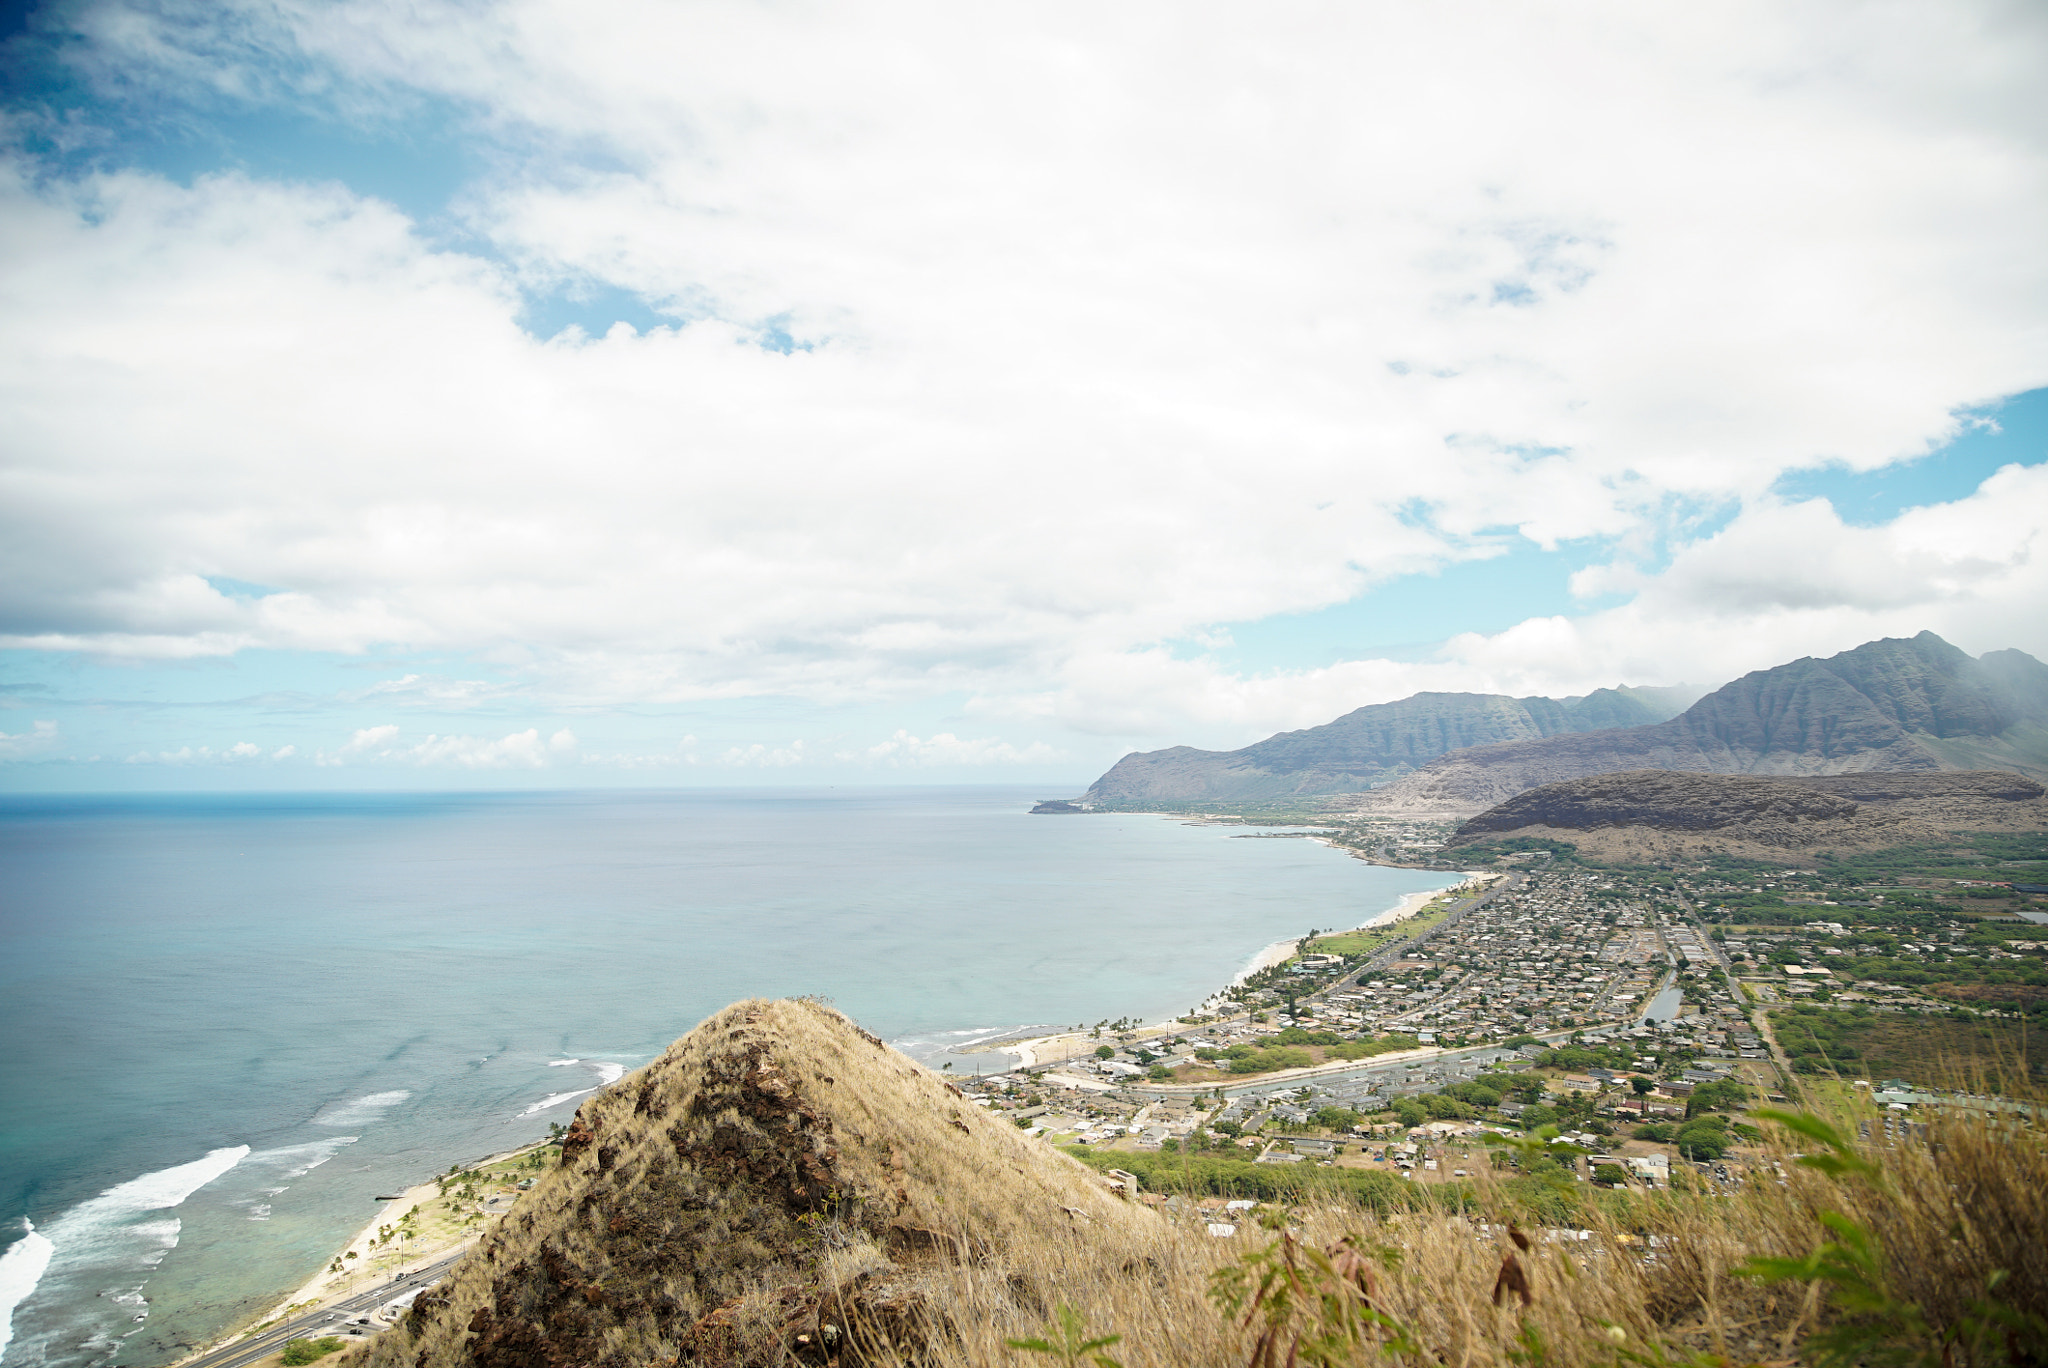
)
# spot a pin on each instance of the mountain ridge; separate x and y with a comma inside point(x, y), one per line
point(1667, 814)
point(1374, 744)
point(1892, 705)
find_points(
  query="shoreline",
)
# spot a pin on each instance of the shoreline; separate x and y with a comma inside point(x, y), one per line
point(1036, 1050)
point(327, 1286)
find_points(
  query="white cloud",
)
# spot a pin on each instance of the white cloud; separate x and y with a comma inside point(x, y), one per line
point(21, 745)
point(758, 756)
point(1786, 580)
point(206, 755)
point(433, 691)
point(1121, 324)
point(945, 748)
point(520, 750)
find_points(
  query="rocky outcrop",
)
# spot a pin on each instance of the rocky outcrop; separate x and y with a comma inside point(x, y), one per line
point(1891, 706)
point(1372, 745)
point(1663, 814)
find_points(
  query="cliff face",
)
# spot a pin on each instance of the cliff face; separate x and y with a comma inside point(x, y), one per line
point(1661, 814)
point(1894, 705)
point(1373, 744)
point(778, 1187)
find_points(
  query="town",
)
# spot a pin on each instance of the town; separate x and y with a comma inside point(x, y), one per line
point(1630, 1017)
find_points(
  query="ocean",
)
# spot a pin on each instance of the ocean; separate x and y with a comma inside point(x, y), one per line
point(234, 1021)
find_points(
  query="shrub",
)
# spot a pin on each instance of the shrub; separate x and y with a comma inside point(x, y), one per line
point(299, 1352)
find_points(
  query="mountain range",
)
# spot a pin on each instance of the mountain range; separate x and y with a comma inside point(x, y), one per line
point(1893, 705)
point(1374, 745)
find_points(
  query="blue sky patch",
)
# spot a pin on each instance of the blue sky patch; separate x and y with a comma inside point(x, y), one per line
point(2012, 433)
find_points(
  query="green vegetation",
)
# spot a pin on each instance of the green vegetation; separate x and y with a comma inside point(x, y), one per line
point(1295, 1048)
point(1563, 852)
point(299, 1352)
point(1357, 945)
point(1724, 1095)
point(1206, 1175)
point(1703, 1138)
point(1924, 1049)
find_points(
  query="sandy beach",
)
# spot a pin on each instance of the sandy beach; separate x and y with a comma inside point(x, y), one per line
point(374, 1263)
point(1040, 1049)
point(1279, 952)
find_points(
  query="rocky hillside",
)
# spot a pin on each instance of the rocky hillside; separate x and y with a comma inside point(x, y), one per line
point(781, 1188)
point(1373, 744)
point(1659, 814)
point(1894, 705)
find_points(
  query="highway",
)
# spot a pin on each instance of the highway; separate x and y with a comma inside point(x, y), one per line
point(326, 1320)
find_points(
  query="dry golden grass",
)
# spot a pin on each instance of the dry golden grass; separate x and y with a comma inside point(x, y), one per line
point(780, 1188)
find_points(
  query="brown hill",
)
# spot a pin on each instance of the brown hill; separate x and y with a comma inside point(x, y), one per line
point(1662, 814)
point(779, 1187)
point(1896, 705)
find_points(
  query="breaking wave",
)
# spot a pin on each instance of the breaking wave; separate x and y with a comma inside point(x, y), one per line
point(21, 1268)
point(362, 1111)
point(108, 1238)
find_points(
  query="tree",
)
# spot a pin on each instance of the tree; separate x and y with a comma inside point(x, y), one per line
point(1706, 1138)
point(1642, 1087)
point(1104, 1051)
point(1723, 1095)
point(1410, 1111)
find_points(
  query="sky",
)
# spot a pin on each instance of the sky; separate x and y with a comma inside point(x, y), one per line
point(446, 393)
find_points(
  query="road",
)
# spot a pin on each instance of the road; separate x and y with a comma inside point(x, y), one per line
point(327, 1320)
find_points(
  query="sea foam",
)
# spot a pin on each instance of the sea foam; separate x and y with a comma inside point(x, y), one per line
point(107, 1236)
point(21, 1268)
point(607, 1074)
point(296, 1161)
point(362, 1111)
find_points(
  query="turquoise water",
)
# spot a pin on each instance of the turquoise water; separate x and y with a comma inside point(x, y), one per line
point(232, 1022)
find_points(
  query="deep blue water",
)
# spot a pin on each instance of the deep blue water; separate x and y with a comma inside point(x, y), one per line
point(232, 1021)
